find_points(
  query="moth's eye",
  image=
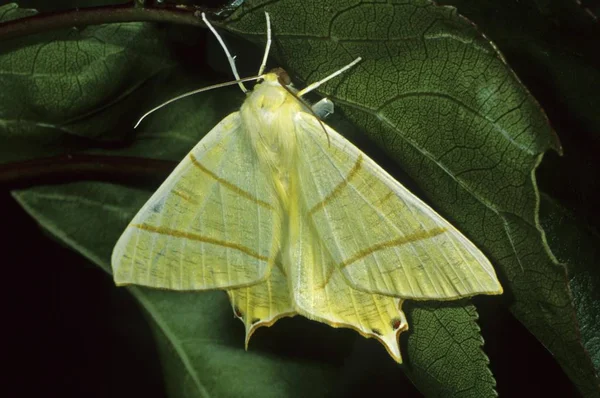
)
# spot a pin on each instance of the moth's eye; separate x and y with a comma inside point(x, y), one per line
point(282, 76)
point(396, 322)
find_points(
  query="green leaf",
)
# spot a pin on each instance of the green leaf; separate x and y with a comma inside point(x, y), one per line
point(553, 48)
point(444, 354)
point(556, 39)
point(70, 90)
point(577, 246)
point(11, 12)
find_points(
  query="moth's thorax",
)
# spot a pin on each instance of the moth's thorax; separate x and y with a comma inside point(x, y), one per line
point(268, 117)
point(270, 109)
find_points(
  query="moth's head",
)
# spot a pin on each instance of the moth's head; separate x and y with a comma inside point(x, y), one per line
point(278, 76)
point(274, 94)
point(282, 76)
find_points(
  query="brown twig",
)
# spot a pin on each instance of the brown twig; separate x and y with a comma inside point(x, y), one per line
point(83, 167)
point(97, 15)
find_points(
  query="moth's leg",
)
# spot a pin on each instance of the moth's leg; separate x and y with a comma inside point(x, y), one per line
point(313, 86)
point(323, 108)
point(230, 58)
point(268, 47)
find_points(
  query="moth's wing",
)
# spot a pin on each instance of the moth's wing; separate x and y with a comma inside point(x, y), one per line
point(382, 237)
point(321, 292)
point(213, 223)
point(264, 303)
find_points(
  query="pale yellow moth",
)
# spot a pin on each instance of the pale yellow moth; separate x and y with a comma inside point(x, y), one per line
point(289, 217)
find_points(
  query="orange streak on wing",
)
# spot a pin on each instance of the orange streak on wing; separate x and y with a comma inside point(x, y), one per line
point(230, 185)
point(336, 191)
point(188, 235)
point(421, 235)
point(184, 196)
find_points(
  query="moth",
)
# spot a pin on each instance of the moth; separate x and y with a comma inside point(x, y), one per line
point(289, 217)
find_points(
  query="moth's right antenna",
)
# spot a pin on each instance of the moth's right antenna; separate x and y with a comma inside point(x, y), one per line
point(229, 57)
point(268, 47)
point(313, 86)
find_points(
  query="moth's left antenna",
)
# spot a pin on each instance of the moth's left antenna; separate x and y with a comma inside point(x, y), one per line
point(246, 79)
point(239, 81)
point(229, 57)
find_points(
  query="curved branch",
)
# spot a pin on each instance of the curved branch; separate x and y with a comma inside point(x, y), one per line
point(97, 15)
point(72, 167)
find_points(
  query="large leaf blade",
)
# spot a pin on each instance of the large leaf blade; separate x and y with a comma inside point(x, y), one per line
point(440, 100)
